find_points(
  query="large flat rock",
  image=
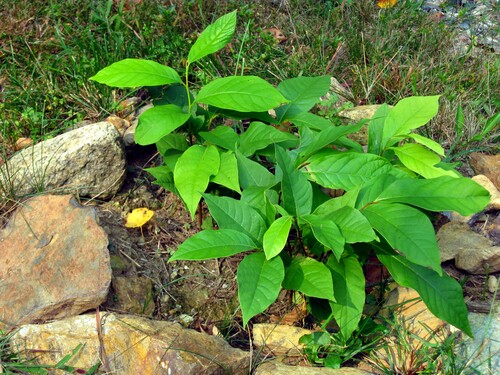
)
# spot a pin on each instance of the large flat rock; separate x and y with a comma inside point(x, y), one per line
point(55, 261)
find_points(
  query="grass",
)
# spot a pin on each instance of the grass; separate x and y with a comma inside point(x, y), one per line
point(48, 50)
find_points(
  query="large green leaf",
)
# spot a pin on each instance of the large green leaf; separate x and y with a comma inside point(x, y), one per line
point(164, 177)
point(222, 136)
point(427, 142)
point(157, 122)
point(252, 173)
point(438, 194)
point(408, 114)
point(192, 173)
point(303, 93)
point(349, 287)
point(211, 244)
point(376, 129)
point(327, 233)
point(276, 236)
point(228, 172)
point(260, 135)
point(135, 73)
point(214, 37)
point(259, 283)
point(310, 277)
point(346, 170)
point(235, 214)
point(296, 189)
point(442, 294)
point(353, 225)
point(369, 192)
point(172, 141)
point(259, 198)
point(408, 230)
point(327, 137)
point(310, 120)
point(241, 93)
point(420, 160)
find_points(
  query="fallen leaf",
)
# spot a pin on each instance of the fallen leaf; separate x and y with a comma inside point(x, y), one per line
point(138, 217)
point(386, 3)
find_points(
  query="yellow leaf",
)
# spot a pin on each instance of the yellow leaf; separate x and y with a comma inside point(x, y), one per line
point(138, 217)
point(386, 3)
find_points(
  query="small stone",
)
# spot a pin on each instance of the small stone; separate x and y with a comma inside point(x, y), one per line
point(360, 112)
point(22, 143)
point(119, 123)
point(133, 294)
point(492, 284)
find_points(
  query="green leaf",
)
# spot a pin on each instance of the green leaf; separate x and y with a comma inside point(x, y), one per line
point(309, 120)
point(442, 294)
point(376, 129)
point(438, 194)
point(157, 122)
point(259, 198)
point(408, 114)
point(228, 172)
point(353, 225)
point(334, 204)
point(346, 170)
point(135, 73)
point(327, 137)
point(349, 286)
point(303, 93)
point(296, 189)
point(252, 173)
point(327, 233)
point(371, 190)
point(276, 236)
point(214, 37)
point(260, 135)
point(259, 283)
point(310, 277)
point(420, 160)
point(429, 143)
point(408, 230)
point(211, 244)
point(222, 136)
point(241, 93)
point(235, 214)
point(192, 173)
point(164, 177)
point(459, 122)
point(172, 141)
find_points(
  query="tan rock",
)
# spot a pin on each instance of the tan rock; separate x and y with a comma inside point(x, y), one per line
point(485, 182)
point(277, 368)
point(489, 165)
point(119, 123)
point(472, 252)
point(55, 261)
point(22, 143)
point(279, 339)
point(413, 313)
point(359, 113)
point(133, 294)
point(131, 345)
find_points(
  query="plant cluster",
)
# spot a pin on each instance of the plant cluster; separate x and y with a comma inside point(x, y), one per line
point(266, 186)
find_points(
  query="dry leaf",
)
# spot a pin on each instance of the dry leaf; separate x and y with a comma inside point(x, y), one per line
point(386, 3)
point(138, 217)
point(22, 143)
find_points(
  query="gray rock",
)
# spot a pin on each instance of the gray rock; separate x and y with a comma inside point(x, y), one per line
point(55, 261)
point(472, 252)
point(89, 161)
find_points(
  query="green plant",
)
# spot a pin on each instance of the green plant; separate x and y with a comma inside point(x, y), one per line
point(271, 186)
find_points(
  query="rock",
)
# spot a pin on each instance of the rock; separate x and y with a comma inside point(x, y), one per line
point(277, 368)
point(482, 352)
point(359, 113)
point(472, 252)
point(488, 165)
point(89, 161)
point(129, 134)
point(55, 261)
point(131, 345)
point(485, 182)
point(119, 123)
point(339, 89)
point(133, 294)
point(414, 314)
point(278, 339)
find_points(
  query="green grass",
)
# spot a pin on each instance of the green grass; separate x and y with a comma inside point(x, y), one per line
point(49, 49)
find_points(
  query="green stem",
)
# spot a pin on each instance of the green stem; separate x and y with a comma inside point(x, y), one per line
point(186, 85)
